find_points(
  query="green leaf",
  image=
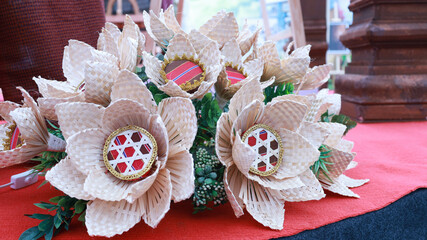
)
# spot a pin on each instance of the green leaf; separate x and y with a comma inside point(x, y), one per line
point(79, 206)
point(44, 205)
point(39, 216)
point(57, 221)
point(55, 199)
point(82, 217)
point(46, 225)
point(49, 234)
point(31, 233)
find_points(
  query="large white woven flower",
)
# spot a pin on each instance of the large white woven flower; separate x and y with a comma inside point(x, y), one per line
point(129, 159)
point(183, 72)
point(267, 151)
point(24, 135)
point(340, 156)
point(90, 73)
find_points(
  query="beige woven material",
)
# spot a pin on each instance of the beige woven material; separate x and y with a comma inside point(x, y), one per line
point(33, 131)
point(162, 28)
point(233, 57)
point(84, 175)
point(291, 68)
point(99, 78)
point(263, 196)
point(315, 77)
point(224, 30)
point(47, 105)
point(198, 40)
point(181, 47)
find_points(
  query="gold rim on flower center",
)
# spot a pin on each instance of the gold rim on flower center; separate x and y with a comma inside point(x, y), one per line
point(13, 138)
point(269, 148)
point(188, 85)
point(129, 152)
point(230, 69)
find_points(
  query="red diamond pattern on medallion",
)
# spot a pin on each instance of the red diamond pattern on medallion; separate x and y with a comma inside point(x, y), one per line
point(130, 153)
point(265, 142)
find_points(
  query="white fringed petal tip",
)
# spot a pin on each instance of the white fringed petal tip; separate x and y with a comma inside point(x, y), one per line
point(183, 72)
point(25, 134)
point(155, 139)
point(265, 156)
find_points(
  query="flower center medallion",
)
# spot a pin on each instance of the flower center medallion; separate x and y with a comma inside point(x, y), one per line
point(234, 76)
point(188, 74)
point(129, 153)
point(14, 138)
point(267, 143)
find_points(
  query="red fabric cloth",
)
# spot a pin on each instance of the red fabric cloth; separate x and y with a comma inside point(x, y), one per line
point(391, 155)
point(34, 34)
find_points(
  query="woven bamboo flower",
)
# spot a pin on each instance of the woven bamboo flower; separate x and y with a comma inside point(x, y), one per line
point(162, 28)
point(340, 156)
point(267, 154)
point(90, 73)
point(183, 72)
point(235, 73)
point(129, 159)
point(25, 134)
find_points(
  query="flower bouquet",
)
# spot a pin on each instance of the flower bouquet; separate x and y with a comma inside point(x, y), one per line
point(214, 118)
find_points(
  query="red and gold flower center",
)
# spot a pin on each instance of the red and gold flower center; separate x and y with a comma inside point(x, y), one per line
point(14, 138)
point(267, 143)
point(233, 75)
point(185, 73)
point(129, 153)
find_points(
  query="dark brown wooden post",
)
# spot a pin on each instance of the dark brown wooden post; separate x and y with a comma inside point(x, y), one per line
point(314, 17)
point(387, 78)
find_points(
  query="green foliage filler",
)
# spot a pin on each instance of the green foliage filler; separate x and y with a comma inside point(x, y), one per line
point(321, 165)
point(209, 185)
point(276, 91)
point(341, 118)
point(208, 113)
point(64, 209)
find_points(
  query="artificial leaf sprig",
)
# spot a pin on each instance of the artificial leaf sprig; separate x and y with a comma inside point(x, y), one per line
point(321, 165)
point(64, 208)
point(340, 118)
point(276, 91)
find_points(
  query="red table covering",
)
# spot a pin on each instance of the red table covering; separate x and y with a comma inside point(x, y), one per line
point(391, 155)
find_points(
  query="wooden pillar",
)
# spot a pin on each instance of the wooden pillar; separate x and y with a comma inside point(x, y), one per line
point(314, 17)
point(387, 78)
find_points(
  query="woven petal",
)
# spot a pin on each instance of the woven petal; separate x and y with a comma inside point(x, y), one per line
point(99, 78)
point(276, 184)
point(336, 132)
point(170, 20)
point(315, 134)
point(268, 53)
point(246, 94)
point(340, 188)
point(233, 180)
point(345, 145)
point(350, 182)
point(311, 191)
point(296, 98)
point(246, 41)
point(316, 77)
point(156, 28)
point(222, 140)
point(129, 85)
point(352, 165)
point(172, 89)
point(130, 30)
point(75, 56)
point(249, 116)
point(128, 54)
point(283, 114)
point(293, 69)
point(179, 46)
point(32, 128)
point(198, 40)
point(107, 43)
point(180, 120)
point(340, 162)
point(298, 154)
point(224, 30)
point(254, 67)
point(210, 55)
point(124, 112)
point(156, 201)
point(243, 155)
point(152, 68)
point(180, 165)
point(114, 30)
point(85, 150)
point(6, 108)
point(65, 177)
point(105, 218)
point(105, 186)
point(207, 27)
point(264, 204)
point(75, 117)
point(53, 88)
point(16, 156)
point(47, 105)
point(232, 53)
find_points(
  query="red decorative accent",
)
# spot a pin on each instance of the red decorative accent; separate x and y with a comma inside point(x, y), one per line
point(234, 76)
point(129, 151)
point(262, 169)
point(184, 72)
point(121, 167)
point(138, 164)
point(251, 141)
point(263, 135)
point(120, 140)
point(14, 140)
